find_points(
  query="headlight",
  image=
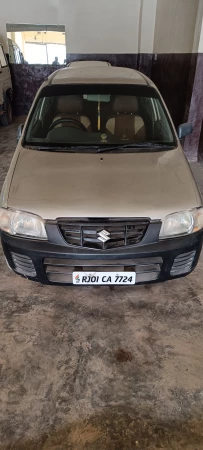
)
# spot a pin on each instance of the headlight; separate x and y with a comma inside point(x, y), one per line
point(182, 223)
point(20, 223)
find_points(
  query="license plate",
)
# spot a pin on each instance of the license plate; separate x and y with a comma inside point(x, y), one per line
point(121, 278)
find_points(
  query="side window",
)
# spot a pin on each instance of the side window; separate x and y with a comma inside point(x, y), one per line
point(3, 60)
point(162, 128)
point(40, 122)
point(21, 58)
point(11, 55)
point(147, 111)
point(16, 51)
point(147, 107)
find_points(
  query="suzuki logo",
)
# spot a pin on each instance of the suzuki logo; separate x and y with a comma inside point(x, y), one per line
point(104, 236)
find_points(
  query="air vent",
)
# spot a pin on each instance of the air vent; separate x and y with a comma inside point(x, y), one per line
point(183, 263)
point(23, 265)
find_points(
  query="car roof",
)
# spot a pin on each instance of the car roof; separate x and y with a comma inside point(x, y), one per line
point(94, 74)
point(88, 63)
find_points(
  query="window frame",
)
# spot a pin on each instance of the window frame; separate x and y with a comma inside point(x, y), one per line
point(52, 90)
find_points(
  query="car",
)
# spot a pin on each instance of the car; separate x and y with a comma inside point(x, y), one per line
point(6, 90)
point(99, 191)
point(15, 54)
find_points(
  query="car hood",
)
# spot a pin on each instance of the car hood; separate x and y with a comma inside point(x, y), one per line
point(149, 184)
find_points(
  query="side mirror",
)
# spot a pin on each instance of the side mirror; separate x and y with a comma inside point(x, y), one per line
point(20, 130)
point(184, 130)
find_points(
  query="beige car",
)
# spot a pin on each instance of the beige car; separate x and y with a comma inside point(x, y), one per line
point(99, 190)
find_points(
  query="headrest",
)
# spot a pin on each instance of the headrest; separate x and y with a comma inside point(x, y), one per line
point(69, 104)
point(125, 104)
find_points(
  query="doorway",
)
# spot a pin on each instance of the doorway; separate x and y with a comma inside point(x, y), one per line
point(36, 44)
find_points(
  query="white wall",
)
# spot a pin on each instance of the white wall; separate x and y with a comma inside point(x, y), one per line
point(92, 26)
point(113, 26)
point(147, 25)
point(102, 26)
point(200, 48)
point(25, 11)
point(175, 26)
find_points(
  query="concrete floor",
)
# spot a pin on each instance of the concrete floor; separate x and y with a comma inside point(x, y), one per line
point(96, 368)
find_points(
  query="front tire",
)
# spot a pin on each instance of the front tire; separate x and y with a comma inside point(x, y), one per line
point(7, 118)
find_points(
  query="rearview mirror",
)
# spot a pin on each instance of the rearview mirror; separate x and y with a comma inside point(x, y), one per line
point(97, 98)
point(184, 130)
point(20, 130)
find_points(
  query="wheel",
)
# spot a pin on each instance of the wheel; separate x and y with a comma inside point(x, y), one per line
point(74, 121)
point(7, 117)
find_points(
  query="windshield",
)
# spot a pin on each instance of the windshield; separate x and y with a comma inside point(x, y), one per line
point(98, 115)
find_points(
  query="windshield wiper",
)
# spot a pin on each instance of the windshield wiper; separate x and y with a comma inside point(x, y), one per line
point(59, 148)
point(99, 148)
point(152, 145)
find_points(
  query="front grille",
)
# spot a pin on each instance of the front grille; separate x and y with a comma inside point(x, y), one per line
point(117, 232)
point(23, 265)
point(183, 263)
point(60, 270)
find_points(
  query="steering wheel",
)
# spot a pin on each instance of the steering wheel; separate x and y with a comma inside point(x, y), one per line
point(74, 121)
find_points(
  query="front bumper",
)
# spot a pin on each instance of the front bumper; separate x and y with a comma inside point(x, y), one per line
point(49, 263)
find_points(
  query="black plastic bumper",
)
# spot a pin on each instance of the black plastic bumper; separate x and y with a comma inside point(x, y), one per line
point(166, 251)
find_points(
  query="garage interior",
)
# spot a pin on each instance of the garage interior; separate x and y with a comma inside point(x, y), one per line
point(102, 368)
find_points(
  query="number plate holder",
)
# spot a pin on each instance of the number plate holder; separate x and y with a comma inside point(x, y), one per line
point(104, 278)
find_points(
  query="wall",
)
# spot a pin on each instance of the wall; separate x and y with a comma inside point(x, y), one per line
point(108, 27)
point(26, 81)
point(24, 12)
point(175, 26)
point(197, 44)
point(148, 9)
point(112, 26)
